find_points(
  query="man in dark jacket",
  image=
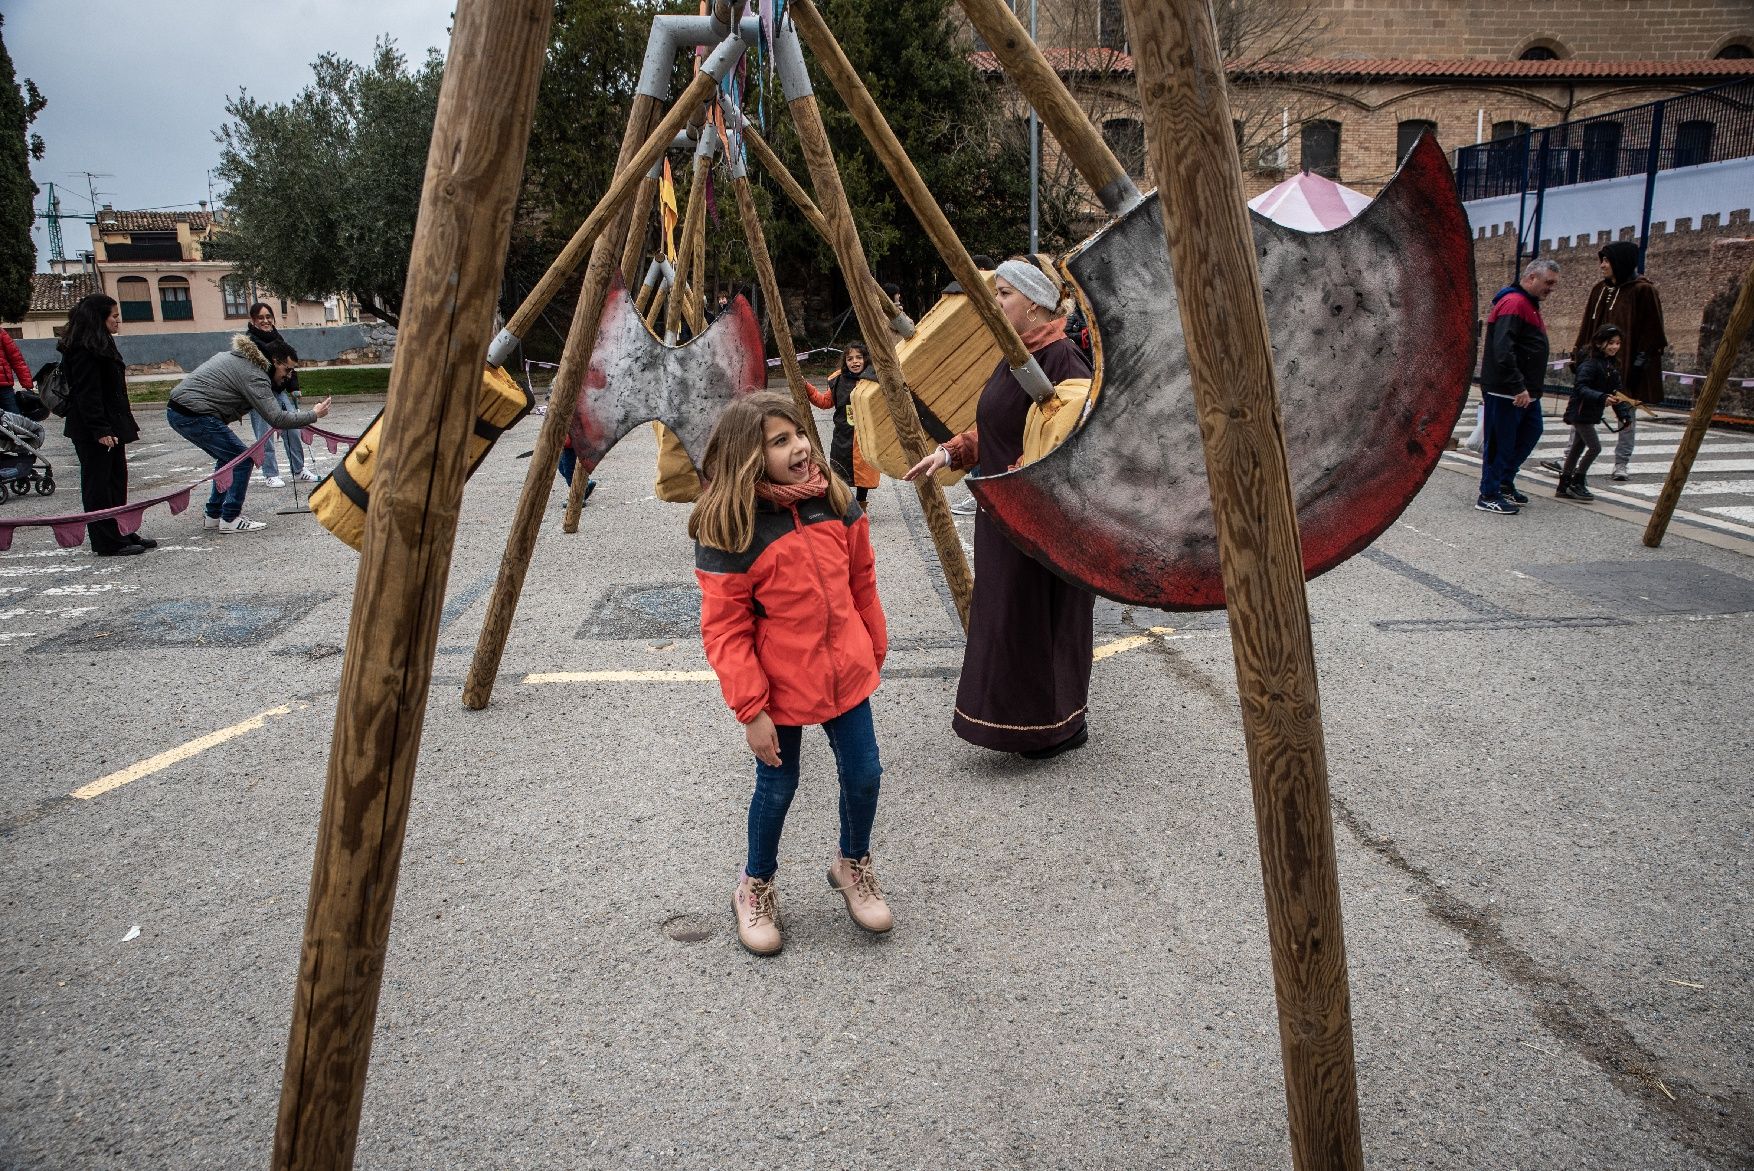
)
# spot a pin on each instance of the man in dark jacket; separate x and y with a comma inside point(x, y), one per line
point(1513, 369)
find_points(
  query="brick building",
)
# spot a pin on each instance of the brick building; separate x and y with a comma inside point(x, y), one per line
point(1343, 87)
point(154, 264)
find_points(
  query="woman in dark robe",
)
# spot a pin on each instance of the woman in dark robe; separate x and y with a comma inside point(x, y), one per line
point(1026, 667)
point(1627, 299)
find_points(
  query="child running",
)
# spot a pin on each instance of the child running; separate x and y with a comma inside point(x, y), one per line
point(793, 628)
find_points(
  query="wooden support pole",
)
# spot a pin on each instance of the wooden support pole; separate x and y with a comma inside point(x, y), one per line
point(845, 79)
point(873, 308)
point(635, 160)
point(1060, 112)
point(487, 102)
point(776, 306)
point(637, 231)
point(1735, 330)
point(1194, 159)
point(569, 380)
point(643, 300)
point(795, 192)
point(656, 311)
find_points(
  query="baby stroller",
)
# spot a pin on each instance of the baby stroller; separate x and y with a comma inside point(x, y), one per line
point(21, 468)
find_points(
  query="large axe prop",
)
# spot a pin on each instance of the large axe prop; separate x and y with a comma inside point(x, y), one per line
point(634, 378)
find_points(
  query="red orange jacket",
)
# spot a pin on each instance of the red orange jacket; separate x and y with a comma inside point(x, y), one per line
point(792, 625)
point(14, 370)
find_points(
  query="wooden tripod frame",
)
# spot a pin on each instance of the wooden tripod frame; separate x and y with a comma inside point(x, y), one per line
point(479, 138)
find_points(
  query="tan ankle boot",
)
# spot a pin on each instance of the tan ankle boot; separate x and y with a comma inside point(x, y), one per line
point(856, 880)
point(756, 907)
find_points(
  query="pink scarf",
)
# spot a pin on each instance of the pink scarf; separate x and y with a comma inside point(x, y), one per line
point(786, 495)
point(1045, 334)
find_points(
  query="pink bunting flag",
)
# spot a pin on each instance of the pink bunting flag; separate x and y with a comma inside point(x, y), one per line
point(178, 502)
point(70, 534)
point(5, 537)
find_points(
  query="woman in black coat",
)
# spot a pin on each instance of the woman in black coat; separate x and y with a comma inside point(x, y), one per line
point(99, 421)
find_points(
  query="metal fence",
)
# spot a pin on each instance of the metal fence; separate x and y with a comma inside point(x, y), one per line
point(1613, 164)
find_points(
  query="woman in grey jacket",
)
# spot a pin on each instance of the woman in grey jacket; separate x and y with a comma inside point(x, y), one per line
point(219, 392)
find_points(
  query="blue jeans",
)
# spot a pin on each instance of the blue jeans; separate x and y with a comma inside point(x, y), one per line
point(295, 448)
point(1511, 435)
point(854, 741)
point(222, 443)
point(9, 400)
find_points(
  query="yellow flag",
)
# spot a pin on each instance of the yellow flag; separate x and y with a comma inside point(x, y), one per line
point(667, 207)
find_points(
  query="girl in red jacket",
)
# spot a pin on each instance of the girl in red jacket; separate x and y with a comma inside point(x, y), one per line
point(792, 626)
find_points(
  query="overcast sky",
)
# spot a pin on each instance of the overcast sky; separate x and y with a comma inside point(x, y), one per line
point(136, 88)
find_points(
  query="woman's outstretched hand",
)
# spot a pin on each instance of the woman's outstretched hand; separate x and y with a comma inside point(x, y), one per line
point(764, 741)
point(939, 458)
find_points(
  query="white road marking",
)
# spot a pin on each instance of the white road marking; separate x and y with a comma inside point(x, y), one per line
point(180, 753)
point(1741, 513)
point(43, 553)
point(55, 612)
point(87, 589)
point(621, 677)
point(15, 635)
point(33, 570)
point(1694, 488)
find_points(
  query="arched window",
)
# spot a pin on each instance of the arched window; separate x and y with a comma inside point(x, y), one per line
point(1407, 133)
point(1538, 53)
point(236, 294)
point(1693, 141)
point(1321, 147)
point(135, 295)
point(1735, 51)
point(1601, 151)
point(173, 299)
point(1126, 137)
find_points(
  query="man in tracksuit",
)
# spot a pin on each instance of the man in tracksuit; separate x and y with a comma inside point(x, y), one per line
point(1512, 371)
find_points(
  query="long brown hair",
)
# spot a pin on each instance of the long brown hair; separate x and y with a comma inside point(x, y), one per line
point(736, 461)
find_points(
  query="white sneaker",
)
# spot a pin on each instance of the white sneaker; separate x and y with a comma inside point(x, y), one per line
point(210, 522)
point(242, 524)
point(307, 477)
point(274, 481)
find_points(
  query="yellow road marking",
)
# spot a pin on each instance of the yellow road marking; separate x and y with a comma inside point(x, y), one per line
point(621, 677)
point(1131, 643)
point(181, 752)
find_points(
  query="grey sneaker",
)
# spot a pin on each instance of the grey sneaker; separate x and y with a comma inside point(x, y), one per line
point(242, 524)
point(1621, 473)
point(966, 507)
point(1553, 465)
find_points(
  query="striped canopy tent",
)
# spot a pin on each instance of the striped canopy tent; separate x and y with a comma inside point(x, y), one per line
point(1310, 203)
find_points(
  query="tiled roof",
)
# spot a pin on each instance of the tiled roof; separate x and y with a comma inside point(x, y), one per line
point(54, 292)
point(1093, 60)
point(109, 220)
point(1476, 68)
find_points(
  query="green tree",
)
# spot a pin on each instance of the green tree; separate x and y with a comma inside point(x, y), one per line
point(588, 79)
point(18, 255)
point(913, 56)
point(322, 192)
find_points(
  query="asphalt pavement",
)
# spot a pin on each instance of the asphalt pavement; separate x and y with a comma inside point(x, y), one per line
point(1540, 764)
